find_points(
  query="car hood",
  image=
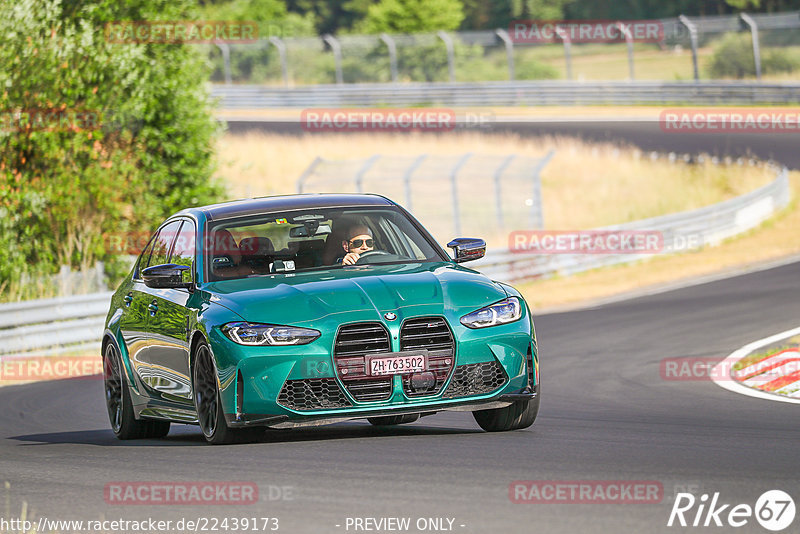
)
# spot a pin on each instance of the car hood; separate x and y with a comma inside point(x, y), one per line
point(357, 293)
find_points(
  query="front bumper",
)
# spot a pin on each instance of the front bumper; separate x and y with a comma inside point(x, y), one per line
point(284, 421)
point(285, 387)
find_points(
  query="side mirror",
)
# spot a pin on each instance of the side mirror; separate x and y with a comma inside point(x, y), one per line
point(467, 249)
point(166, 276)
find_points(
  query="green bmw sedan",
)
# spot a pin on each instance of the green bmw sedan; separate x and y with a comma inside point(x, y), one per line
point(304, 310)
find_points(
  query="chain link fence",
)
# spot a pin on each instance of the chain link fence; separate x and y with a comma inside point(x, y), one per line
point(749, 46)
point(452, 196)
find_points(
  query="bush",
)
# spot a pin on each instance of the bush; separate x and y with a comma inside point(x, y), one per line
point(733, 58)
point(136, 143)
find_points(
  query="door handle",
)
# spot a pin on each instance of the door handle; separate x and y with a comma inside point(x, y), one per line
point(128, 299)
point(153, 308)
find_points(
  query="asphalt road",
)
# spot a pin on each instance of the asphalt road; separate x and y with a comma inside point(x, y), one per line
point(646, 134)
point(606, 414)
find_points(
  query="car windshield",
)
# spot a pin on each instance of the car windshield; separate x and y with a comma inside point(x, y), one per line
point(304, 240)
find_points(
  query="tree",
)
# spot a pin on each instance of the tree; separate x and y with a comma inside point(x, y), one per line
point(272, 17)
point(412, 16)
point(331, 16)
point(743, 4)
point(99, 138)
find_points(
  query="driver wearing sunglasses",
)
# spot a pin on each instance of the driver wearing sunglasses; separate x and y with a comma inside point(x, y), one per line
point(358, 241)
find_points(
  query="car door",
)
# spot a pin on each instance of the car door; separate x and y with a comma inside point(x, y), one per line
point(154, 376)
point(168, 347)
point(133, 322)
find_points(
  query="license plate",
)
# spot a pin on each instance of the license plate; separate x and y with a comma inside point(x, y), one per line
point(395, 365)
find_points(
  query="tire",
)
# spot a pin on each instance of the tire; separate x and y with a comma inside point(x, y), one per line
point(389, 420)
point(207, 401)
point(519, 415)
point(118, 403)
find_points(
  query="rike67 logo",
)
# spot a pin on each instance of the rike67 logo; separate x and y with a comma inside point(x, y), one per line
point(774, 510)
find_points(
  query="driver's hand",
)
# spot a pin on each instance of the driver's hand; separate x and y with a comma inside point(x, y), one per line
point(350, 259)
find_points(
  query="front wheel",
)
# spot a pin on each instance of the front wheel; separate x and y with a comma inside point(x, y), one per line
point(519, 415)
point(119, 406)
point(209, 406)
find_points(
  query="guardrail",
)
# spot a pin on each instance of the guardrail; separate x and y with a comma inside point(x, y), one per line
point(49, 326)
point(530, 93)
point(44, 327)
point(701, 227)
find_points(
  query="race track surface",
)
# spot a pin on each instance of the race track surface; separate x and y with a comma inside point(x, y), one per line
point(646, 134)
point(606, 414)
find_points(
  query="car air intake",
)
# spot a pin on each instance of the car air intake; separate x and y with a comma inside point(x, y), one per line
point(429, 333)
point(476, 379)
point(312, 394)
point(353, 343)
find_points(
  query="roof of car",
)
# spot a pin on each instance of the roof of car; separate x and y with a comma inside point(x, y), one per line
point(253, 206)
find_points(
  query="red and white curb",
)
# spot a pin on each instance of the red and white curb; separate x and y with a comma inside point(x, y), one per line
point(776, 377)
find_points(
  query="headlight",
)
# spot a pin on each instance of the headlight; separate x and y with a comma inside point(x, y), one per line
point(505, 311)
point(268, 334)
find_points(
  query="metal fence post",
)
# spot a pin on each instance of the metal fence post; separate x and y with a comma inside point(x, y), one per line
point(337, 55)
point(63, 280)
point(567, 49)
point(306, 173)
point(226, 57)
point(100, 278)
point(454, 190)
point(386, 38)
point(451, 60)
point(502, 34)
point(281, 46)
point(407, 178)
point(693, 39)
point(363, 170)
point(754, 35)
point(536, 219)
point(626, 32)
point(498, 189)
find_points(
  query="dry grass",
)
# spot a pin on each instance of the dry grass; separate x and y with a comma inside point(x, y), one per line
point(774, 239)
point(584, 186)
